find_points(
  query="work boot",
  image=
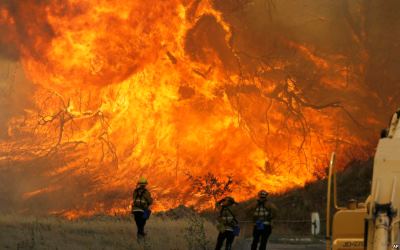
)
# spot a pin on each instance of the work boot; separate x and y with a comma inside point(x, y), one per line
point(140, 237)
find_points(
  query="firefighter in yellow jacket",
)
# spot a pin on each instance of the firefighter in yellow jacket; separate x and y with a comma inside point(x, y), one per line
point(141, 206)
point(264, 213)
point(227, 223)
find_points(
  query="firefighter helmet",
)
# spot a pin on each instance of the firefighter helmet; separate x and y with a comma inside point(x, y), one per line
point(230, 200)
point(142, 181)
point(262, 194)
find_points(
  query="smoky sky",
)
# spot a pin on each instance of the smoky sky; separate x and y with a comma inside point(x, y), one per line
point(22, 24)
point(363, 36)
point(15, 93)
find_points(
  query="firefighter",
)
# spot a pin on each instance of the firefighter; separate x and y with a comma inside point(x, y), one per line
point(141, 206)
point(227, 223)
point(264, 213)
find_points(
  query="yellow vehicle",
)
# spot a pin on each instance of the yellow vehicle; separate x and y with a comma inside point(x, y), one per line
point(375, 224)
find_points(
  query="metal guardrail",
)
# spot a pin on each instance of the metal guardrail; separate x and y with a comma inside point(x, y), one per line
point(245, 229)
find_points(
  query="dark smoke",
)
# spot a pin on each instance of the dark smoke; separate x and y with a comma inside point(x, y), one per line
point(364, 36)
point(29, 28)
point(15, 94)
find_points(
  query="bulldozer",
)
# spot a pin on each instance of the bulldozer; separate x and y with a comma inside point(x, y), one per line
point(374, 224)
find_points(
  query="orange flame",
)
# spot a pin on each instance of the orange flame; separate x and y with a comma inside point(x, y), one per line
point(123, 83)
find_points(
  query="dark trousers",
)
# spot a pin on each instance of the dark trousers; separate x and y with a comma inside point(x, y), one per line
point(228, 235)
point(263, 234)
point(140, 222)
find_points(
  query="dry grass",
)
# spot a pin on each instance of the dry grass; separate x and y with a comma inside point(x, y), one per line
point(96, 233)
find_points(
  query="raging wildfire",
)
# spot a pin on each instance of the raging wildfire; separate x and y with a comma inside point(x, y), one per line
point(95, 94)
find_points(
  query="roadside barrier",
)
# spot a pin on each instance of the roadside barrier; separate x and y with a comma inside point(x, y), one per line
point(247, 226)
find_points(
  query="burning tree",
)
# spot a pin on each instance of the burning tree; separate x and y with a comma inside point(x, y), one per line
point(210, 186)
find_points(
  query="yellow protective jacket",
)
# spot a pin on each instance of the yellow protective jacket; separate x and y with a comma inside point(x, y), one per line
point(226, 219)
point(141, 199)
point(265, 211)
